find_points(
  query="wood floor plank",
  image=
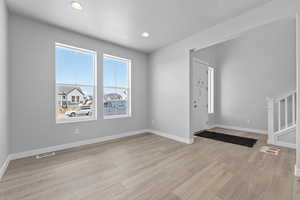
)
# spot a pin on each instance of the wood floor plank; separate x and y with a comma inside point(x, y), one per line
point(149, 167)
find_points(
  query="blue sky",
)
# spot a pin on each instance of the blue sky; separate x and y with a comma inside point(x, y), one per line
point(115, 73)
point(73, 67)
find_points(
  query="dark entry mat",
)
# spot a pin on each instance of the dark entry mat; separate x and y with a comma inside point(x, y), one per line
point(248, 142)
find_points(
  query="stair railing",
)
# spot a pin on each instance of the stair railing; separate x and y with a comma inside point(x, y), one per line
point(282, 109)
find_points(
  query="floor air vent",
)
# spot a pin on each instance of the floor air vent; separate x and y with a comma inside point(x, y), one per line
point(45, 155)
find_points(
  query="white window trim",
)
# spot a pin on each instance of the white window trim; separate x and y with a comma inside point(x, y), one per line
point(129, 115)
point(116, 116)
point(211, 90)
point(81, 50)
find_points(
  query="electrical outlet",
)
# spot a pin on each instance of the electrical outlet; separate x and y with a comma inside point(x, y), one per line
point(76, 131)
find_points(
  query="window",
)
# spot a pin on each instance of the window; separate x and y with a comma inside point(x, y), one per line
point(75, 84)
point(116, 87)
point(210, 90)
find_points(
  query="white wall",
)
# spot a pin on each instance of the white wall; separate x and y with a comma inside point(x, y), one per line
point(4, 112)
point(259, 64)
point(33, 87)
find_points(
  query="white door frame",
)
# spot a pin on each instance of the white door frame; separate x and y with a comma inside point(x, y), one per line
point(297, 166)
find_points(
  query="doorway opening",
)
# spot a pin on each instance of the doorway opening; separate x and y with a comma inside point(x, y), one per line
point(254, 83)
point(202, 94)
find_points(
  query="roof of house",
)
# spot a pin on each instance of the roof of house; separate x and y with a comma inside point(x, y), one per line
point(65, 90)
point(112, 96)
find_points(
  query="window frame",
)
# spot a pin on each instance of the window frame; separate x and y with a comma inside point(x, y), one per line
point(211, 90)
point(94, 87)
point(129, 113)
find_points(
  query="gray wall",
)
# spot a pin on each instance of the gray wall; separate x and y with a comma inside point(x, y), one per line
point(174, 59)
point(4, 114)
point(169, 99)
point(170, 66)
point(33, 87)
point(259, 64)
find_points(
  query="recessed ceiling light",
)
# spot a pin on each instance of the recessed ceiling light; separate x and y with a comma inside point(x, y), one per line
point(145, 34)
point(76, 5)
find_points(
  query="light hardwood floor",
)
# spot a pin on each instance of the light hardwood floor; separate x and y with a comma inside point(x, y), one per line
point(149, 167)
point(296, 189)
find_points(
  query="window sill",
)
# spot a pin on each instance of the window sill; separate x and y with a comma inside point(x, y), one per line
point(75, 121)
point(117, 116)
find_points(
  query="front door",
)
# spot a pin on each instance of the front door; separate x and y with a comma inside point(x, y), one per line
point(199, 96)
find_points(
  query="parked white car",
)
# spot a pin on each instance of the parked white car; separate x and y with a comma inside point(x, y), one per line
point(82, 110)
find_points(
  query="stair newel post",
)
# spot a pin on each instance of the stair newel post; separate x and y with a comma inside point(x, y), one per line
point(286, 112)
point(270, 120)
point(294, 108)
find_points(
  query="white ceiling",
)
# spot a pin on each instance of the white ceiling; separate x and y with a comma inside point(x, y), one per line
point(123, 21)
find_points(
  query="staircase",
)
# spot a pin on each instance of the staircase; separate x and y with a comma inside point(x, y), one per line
point(282, 120)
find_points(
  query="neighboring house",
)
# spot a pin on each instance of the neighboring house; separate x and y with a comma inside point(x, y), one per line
point(114, 104)
point(88, 100)
point(112, 97)
point(70, 96)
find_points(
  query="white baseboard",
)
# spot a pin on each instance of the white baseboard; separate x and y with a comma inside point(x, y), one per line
point(297, 171)
point(172, 137)
point(210, 126)
point(279, 143)
point(285, 144)
point(34, 152)
point(265, 132)
point(282, 144)
point(4, 167)
point(269, 141)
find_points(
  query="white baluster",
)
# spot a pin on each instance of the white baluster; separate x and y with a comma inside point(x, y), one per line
point(293, 108)
point(283, 127)
point(286, 112)
point(279, 116)
point(270, 121)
